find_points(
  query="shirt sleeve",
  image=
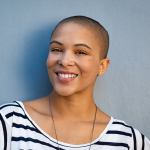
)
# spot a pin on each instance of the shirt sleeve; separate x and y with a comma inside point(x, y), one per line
point(139, 141)
point(5, 132)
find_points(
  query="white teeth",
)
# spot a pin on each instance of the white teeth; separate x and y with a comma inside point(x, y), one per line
point(67, 75)
point(59, 74)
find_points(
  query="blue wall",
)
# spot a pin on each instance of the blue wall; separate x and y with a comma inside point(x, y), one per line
point(123, 92)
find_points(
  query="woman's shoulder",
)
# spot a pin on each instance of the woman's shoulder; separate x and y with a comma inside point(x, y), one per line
point(125, 131)
point(9, 108)
point(121, 127)
point(17, 107)
point(36, 106)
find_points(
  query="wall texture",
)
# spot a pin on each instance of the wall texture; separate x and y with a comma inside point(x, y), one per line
point(123, 92)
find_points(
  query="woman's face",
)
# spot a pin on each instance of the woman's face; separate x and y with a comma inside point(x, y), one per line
point(73, 61)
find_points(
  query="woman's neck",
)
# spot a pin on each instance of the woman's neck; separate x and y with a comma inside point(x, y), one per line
point(76, 107)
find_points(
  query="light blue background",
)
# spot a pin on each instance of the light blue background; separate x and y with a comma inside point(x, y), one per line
point(123, 92)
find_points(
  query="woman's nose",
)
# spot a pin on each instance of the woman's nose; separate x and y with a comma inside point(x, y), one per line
point(66, 59)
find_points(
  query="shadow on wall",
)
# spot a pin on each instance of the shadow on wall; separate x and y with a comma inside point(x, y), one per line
point(33, 69)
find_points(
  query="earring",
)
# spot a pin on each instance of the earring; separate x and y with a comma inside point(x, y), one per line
point(99, 73)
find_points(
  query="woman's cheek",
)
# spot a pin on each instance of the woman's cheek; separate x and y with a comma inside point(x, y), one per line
point(51, 60)
point(86, 68)
point(89, 68)
point(87, 65)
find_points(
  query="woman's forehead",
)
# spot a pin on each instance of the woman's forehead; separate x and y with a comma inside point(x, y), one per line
point(74, 31)
point(72, 27)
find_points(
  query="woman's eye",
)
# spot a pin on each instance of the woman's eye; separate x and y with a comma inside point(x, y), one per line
point(56, 50)
point(81, 53)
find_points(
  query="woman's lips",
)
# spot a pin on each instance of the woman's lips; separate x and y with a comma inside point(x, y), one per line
point(66, 77)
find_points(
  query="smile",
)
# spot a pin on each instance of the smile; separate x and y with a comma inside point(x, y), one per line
point(67, 75)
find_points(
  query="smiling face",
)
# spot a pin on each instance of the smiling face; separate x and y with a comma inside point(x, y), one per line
point(73, 62)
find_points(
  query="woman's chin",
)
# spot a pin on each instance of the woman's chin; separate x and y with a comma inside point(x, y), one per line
point(63, 92)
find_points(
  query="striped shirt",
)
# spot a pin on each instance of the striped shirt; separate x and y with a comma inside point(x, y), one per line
point(19, 132)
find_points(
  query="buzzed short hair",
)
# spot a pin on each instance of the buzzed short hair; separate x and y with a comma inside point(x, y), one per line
point(100, 31)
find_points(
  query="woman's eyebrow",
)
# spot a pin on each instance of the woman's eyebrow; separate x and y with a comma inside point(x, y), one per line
point(83, 45)
point(80, 44)
point(55, 42)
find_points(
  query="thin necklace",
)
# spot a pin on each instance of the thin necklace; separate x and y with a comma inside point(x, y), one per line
point(55, 128)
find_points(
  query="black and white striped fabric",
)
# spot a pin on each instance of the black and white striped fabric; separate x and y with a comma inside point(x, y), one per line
point(19, 132)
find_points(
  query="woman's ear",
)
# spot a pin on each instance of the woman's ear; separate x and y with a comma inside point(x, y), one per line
point(104, 64)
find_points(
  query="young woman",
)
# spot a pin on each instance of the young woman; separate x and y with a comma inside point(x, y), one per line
point(68, 118)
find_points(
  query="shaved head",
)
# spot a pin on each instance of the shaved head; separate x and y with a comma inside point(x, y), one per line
point(99, 31)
